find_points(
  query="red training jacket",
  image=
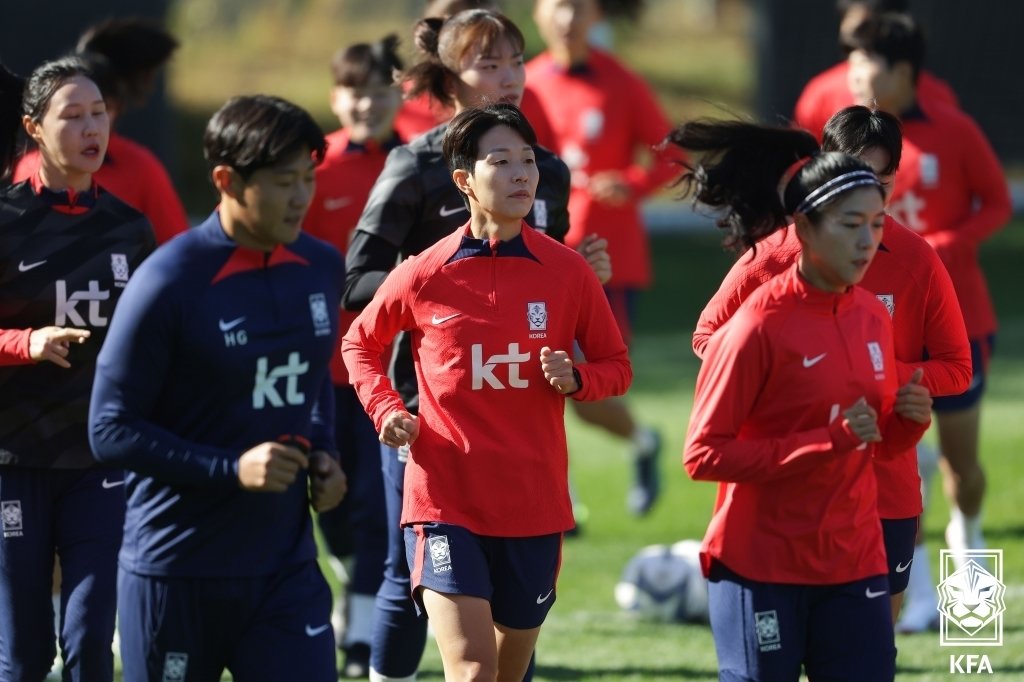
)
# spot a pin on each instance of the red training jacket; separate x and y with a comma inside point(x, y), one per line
point(797, 502)
point(951, 189)
point(601, 115)
point(14, 347)
point(911, 281)
point(491, 453)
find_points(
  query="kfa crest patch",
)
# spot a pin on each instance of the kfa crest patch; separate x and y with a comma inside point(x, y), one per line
point(537, 314)
point(175, 667)
point(119, 268)
point(321, 316)
point(10, 514)
point(440, 553)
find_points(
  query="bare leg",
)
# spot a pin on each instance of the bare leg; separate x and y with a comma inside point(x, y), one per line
point(515, 648)
point(464, 630)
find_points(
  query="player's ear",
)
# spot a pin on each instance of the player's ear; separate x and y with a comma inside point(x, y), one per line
point(803, 226)
point(227, 180)
point(32, 129)
point(462, 179)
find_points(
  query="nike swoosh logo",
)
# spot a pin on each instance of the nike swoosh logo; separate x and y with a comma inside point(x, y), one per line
point(25, 267)
point(811, 362)
point(871, 595)
point(314, 631)
point(335, 203)
point(445, 211)
point(228, 326)
point(111, 484)
point(900, 567)
point(541, 600)
point(440, 320)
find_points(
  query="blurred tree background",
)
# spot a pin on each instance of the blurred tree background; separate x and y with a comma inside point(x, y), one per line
point(703, 57)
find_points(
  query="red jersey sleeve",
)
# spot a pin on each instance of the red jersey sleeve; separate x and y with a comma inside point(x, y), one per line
point(14, 346)
point(607, 371)
point(650, 126)
point(159, 203)
point(947, 369)
point(728, 385)
point(990, 191)
point(370, 335)
point(772, 256)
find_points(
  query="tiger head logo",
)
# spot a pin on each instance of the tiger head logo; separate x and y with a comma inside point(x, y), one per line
point(971, 597)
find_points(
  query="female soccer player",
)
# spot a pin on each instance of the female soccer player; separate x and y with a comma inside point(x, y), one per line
point(907, 276)
point(493, 310)
point(68, 249)
point(954, 193)
point(470, 58)
point(602, 117)
point(125, 55)
point(365, 100)
point(798, 391)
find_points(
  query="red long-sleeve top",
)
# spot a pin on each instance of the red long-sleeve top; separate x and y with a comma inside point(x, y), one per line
point(491, 453)
point(928, 329)
point(797, 500)
point(134, 175)
point(951, 189)
point(419, 114)
point(601, 114)
point(14, 347)
point(827, 93)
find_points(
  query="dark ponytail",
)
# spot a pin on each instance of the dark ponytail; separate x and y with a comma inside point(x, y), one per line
point(761, 175)
point(11, 88)
point(443, 43)
point(428, 74)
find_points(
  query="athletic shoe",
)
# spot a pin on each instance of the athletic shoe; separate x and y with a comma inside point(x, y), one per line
point(356, 665)
point(647, 483)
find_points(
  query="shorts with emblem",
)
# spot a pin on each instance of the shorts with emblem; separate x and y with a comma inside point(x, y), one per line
point(981, 352)
point(275, 627)
point(767, 631)
point(516, 575)
point(899, 536)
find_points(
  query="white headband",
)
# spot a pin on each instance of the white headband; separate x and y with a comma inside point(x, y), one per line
point(836, 186)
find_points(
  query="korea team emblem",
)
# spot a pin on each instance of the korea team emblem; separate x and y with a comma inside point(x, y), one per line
point(769, 634)
point(537, 314)
point(175, 667)
point(321, 317)
point(971, 597)
point(119, 268)
point(440, 553)
point(10, 513)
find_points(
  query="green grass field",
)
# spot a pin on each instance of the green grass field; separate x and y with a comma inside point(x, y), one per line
point(586, 637)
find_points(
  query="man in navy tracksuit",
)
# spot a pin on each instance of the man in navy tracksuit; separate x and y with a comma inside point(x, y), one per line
point(213, 391)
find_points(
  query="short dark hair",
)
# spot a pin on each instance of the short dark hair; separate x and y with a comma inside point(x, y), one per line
point(856, 129)
point(873, 6)
point(257, 131)
point(461, 144)
point(134, 48)
point(894, 37)
point(750, 171)
point(356, 65)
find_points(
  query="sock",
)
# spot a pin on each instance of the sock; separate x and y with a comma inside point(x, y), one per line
point(644, 440)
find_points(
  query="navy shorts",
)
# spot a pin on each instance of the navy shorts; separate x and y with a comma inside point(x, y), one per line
point(899, 536)
point(275, 627)
point(516, 575)
point(768, 631)
point(981, 351)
